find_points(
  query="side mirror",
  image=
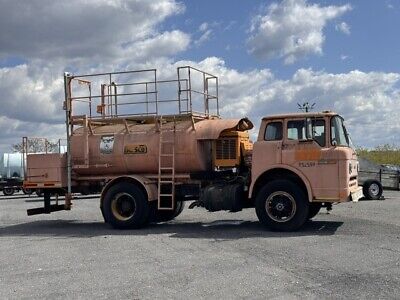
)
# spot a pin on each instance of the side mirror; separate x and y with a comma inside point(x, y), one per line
point(309, 129)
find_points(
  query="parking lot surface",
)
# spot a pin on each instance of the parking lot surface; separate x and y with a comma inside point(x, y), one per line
point(352, 252)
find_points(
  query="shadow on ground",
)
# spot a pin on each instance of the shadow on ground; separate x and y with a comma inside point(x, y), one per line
point(224, 230)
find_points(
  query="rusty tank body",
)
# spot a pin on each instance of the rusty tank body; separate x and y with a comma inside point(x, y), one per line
point(134, 147)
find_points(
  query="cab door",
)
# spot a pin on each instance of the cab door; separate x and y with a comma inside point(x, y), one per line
point(312, 155)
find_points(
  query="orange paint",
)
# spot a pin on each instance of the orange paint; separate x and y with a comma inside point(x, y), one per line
point(309, 154)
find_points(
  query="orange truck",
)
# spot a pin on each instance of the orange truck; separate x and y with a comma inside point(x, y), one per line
point(146, 164)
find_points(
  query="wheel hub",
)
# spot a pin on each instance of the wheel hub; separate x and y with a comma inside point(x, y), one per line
point(123, 206)
point(280, 206)
point(374, 189)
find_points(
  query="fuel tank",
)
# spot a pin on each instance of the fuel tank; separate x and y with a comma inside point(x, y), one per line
point(134, 147)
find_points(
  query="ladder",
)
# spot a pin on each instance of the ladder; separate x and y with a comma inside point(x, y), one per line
point(166, 167)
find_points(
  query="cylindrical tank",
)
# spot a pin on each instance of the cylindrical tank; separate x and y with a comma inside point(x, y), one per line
point(11, 165)
point(114, 150)
point(106, 148)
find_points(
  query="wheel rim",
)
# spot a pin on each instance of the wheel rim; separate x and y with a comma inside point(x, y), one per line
point(374, 189)
point(123, 206)
point(8, 191)
point(280, 206)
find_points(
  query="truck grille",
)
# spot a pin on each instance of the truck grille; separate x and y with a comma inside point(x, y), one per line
point(353, 181)
point(226, 149)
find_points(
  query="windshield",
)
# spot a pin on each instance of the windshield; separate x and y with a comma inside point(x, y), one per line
point(338, 132)
point(352, 146)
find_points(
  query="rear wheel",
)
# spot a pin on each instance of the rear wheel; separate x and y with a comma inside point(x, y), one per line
point(8, 191)
point(372, 189)
point(27, 191)
point(167, 215)
point(282, 206)
point(125, 206)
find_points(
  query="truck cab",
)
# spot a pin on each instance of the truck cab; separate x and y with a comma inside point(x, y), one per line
point(311, 153)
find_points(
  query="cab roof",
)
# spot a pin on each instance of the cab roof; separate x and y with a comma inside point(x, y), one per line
point(301, 115)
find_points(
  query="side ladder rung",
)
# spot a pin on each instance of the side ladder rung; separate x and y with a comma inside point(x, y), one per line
point(165, 208)
point(166, 169)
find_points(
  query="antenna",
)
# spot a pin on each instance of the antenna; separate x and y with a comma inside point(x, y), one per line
point(306, 106)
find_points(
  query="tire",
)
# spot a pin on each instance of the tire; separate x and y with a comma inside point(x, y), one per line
point(282, 206)
point(125, 206)
point(167, 215)
point(27, 191)
point(372, 189)
point(313, 210)
point(8, 191)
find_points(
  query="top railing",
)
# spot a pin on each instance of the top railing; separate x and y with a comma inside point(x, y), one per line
point(141, 93)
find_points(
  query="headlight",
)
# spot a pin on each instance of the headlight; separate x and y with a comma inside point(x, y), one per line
point(350, 168)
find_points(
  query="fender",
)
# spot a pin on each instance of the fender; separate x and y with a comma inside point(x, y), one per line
point(149, 186)
point(289, 168)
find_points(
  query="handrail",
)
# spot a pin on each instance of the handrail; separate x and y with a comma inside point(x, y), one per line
point(116, 94)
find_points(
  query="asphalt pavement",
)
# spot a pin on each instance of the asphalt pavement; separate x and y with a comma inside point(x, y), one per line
point(352, 252)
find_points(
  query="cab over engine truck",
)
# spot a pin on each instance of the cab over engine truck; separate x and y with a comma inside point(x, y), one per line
point(146, 164)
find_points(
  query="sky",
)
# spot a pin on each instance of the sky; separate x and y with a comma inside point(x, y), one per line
point(269, 55)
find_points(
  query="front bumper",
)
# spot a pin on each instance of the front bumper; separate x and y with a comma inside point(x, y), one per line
point(356, 195)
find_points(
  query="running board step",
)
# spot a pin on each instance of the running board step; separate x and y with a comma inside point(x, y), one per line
point(47, 210)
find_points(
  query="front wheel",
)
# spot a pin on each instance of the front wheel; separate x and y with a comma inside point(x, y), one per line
point(314, 210)
point(372, 189)
point(125, 206)
point(282, 206)
point(8, 191)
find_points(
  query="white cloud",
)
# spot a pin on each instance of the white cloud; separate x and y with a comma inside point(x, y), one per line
point(204, 37)
point(92, 30)
point(206, 30)
point(21, 86)
point(389, 5)
point(291, 30)
point(203, 27)
point(164, 44)
point(343, 27)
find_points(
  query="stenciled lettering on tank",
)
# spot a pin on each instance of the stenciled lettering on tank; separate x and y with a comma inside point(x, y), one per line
point(107, 144)
point(135, 149)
